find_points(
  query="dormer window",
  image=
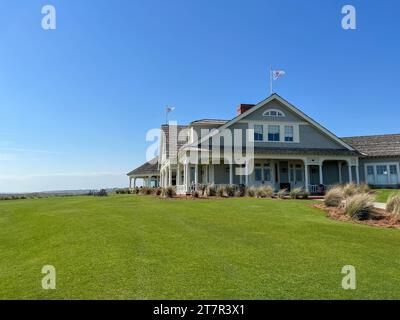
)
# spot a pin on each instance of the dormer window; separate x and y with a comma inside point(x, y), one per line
point(273, 113)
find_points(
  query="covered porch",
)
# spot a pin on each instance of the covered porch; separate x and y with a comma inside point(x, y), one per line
point(279, 172)
point(148, 174)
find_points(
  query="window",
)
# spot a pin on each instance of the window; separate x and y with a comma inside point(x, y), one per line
point(267, 173)
point(289, 133)
point(382, 170)
point(257, 172)
point(258, 133)
point(393, 169)
point(273, 133)
point(273, 113)
point(370, 170)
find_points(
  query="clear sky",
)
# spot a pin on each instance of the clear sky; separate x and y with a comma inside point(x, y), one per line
point(76, 102)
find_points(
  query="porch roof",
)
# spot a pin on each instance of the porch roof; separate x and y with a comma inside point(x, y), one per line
point(147, 169)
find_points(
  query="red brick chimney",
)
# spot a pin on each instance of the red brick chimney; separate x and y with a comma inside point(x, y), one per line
point(242, 108)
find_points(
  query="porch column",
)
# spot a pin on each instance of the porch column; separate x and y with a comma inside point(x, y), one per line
point(350, 173)
point(357, 175)
point(306, 177)
point(130, 182)
point(231, 174)
point(247, 173)
point(178, 174)
point(206, 168)
point(340, 171)
point(169, 176)
point(321, 174)
point(196, 175)
point(187, 176)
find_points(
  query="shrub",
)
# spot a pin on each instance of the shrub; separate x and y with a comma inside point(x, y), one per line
point(145, 190)
point(157, 191)
point(251, 192)
point(195, 194)
point(334, 197)
point(211, 191)
point(123, 191)
point(221, 191)
point(296, 193)
point(282, 193)
point(364, 188)
point(305, 194)
point(230, 190)
point(168, 192)
point(393, 203)
point(349, 190)
point(102, 193)
point(359, 206)
point(265, 192)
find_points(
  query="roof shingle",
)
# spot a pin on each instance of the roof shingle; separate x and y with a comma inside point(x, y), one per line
point(376, 146)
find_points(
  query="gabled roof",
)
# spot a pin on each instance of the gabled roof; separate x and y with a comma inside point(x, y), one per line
point(290, 107)
point(387, 145)
point(149, 168)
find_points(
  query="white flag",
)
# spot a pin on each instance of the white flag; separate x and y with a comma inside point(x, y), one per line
point(169, 109)
point(276, 74)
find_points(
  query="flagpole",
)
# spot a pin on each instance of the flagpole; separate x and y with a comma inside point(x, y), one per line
point(270, 78)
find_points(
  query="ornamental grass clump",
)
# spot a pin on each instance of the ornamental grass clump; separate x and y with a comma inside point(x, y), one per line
point(230, 190)
point(251, 192)
point(359, 206)
point(168, 192)
point(393, 204)
point(221, 191)
point(364, 188)
point(211, 191)
point(282, 193)
point(296, 193)
point(265, 192)
point(350, 189)
point(334, 197)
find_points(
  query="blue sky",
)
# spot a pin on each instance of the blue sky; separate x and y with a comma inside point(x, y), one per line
point(76, 102)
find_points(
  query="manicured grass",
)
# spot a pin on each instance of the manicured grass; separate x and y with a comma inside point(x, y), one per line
point(131, 247)
point(382, 195)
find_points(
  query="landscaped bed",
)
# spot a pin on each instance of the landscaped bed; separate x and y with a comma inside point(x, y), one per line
point(146, 247)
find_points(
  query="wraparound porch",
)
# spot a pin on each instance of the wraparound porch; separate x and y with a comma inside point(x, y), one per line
point(279, 172)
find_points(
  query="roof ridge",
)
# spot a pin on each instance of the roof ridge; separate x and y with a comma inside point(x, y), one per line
point(373, 135)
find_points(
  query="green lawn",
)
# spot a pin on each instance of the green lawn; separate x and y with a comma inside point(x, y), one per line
point(382, 195)
point(131, 247)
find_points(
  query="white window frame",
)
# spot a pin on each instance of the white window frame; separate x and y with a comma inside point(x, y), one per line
point(279, 113)
point(279, 132)
point(285, 135)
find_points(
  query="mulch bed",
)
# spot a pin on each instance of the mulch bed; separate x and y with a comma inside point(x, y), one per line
point(380, 218)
